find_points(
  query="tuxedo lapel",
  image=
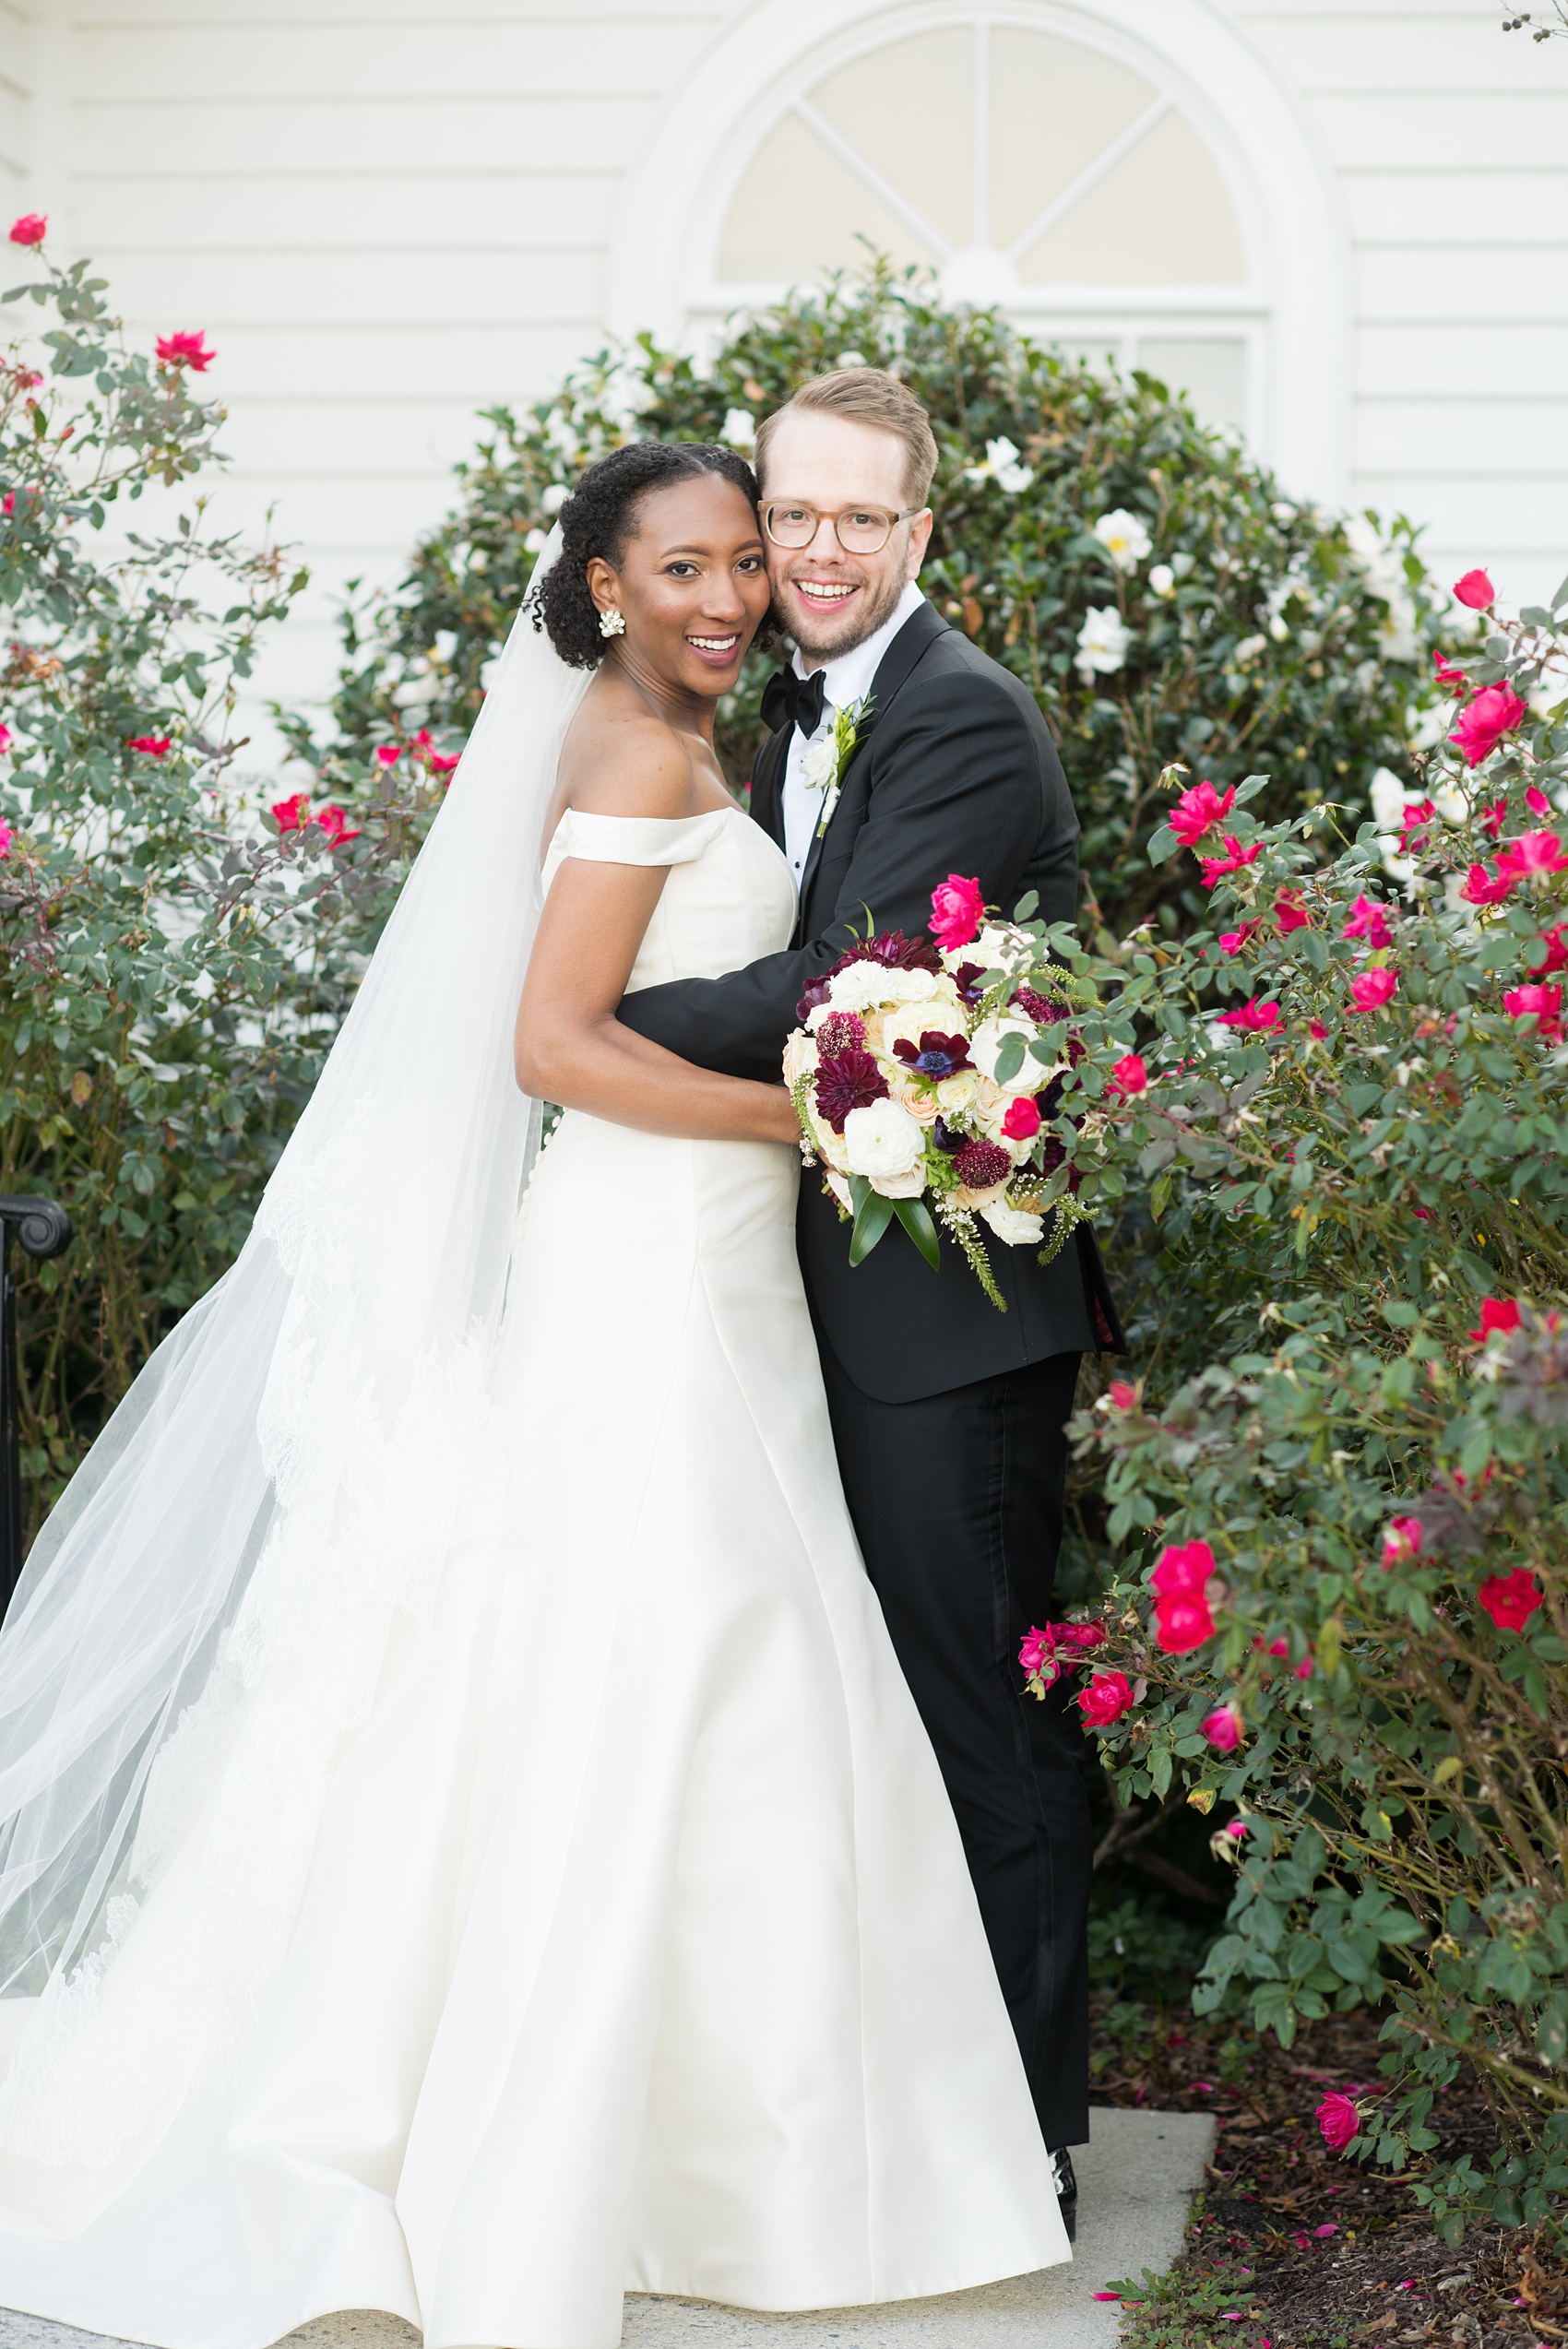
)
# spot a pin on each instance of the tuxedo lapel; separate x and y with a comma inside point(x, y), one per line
point(767, 784)
point(894, 671)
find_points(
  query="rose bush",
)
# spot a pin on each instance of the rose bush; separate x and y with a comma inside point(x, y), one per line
point(173, 960)
point(1336, 1498)
point(1144, 577)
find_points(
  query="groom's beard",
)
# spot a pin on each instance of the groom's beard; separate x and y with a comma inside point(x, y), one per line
point(876, 602)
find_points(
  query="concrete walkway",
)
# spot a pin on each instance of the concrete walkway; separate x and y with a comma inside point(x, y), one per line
point(1134, 2181)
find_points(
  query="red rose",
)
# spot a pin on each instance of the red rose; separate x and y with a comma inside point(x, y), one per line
point(1123, 1396)
point(334, 821)
point(1022, 1121)
point(1492, 714)
point(1216, 868)
point(1223, 1728)
point(1532, 852)
point(1128, 1077)
point(1291, 914)
point(1106, 1697)
point(1543, 1005)
point(1181, 1569)
point(1182, 1624)
point(1483, 888)
point(1555, 957)
point(1510, 1599)
point(1401, 1540)
point(1497, 1313)
point(1199, 811)
point(1476, 591)
point(150, 745)
point(1455, 678)
point(1254, 1018)
point(1373, 989)
point(31, 229)
point(1369, 921)
point(186, 351)
point(1340, 2118)
point(956, 907)
point(294, 815)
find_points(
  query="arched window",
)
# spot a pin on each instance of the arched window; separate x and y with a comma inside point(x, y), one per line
point(1163, 208)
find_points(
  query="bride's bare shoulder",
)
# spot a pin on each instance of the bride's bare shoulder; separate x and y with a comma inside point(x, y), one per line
point(620, 758)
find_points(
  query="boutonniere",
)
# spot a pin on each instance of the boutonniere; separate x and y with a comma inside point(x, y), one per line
point(822, 768)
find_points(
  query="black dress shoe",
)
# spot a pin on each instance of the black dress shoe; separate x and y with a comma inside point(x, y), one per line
point(1066, 2187)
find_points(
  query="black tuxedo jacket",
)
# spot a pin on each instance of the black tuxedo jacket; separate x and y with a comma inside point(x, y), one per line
point(954, 772)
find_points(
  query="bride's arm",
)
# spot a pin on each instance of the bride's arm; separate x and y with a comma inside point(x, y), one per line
point(569, 1046)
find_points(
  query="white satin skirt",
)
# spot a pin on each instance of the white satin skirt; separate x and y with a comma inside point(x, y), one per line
point(638, 1951)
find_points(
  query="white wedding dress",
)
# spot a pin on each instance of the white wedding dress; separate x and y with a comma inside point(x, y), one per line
point(637, 1949)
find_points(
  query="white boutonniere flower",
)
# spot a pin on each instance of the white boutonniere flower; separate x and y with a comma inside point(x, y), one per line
point(822, 767)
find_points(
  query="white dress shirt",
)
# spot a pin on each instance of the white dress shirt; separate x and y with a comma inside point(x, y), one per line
point(846, 679)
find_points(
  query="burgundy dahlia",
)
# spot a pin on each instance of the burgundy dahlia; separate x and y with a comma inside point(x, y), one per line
point(848, 1081)
point(936, 1056)
point(840, 1032)
point(894, 951)
point(979, 1164)
point(815, 994)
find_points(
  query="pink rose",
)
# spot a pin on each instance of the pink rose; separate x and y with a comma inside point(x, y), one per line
point(1532, 852)
point(441, 766)
point(1537, 801)
point(1181, 1569)
point(1182, 1624)
point(1413, 824)
point(5, 740)
point(1198, 810)
point(1455, 678)
point(6, 836)
point(1476, 591)
point(957, 908)
point(292, 815)
point(1494, 713)
point(1543, 1005)
point(334, 821)
point(1340, 2118)
point(1291, 914)
point(31, 229)
point(1234, 940)
point(1369, 921)
point(1106, 1697)
point(1316, 1029)
point(1022, 1120)
point(150, 745)
point(1401, 1541)
point(1497, 1313)
point(1128, 1077)
point(1223, 1728)
point(389, 754)
point(1123, 1396)
point(1484, 888)
point(1373, 989)
point(1216, 868)
point(186, 351)
point(1035, 1649)
point(1555, 957)
point(1510, 1599)
point(1255, 1018)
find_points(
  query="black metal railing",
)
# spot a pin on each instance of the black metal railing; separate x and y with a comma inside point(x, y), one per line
point(44, 1229)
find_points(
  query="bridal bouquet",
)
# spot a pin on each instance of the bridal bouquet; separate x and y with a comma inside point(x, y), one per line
point(926, 1077)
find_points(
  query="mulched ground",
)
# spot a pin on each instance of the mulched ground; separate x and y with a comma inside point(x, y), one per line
point(1297, 2247)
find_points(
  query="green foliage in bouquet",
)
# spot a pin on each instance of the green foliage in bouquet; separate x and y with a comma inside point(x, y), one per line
point(1337, 1494)
point(172, 966)
point(1144, 578)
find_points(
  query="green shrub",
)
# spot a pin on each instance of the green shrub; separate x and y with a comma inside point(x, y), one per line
point(1258, 632)
point(1342, 1104)
point(172, 966)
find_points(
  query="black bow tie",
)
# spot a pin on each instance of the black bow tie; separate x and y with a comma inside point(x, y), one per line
point(789, 700)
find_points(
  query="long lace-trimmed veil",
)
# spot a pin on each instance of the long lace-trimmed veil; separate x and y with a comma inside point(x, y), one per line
point(205, 1616)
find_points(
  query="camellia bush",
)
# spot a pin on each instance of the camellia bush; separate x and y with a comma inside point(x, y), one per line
point(173, 961)
point(1149, 581)
point(1338, 1603)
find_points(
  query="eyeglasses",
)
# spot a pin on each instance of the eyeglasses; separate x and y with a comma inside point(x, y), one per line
point(859, 529)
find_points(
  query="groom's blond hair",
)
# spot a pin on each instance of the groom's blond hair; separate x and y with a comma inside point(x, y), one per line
point(863, 396)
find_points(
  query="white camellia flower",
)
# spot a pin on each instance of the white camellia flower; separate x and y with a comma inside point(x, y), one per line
point(739, 428)
point(1248, 650)
point(1124, 537)
point(1014, 1225)
point(1162, 580)
point(987, 1042)
point(1002, 467)
point(535, 542)
point(883, 1143)
point(1104, 641)
point(555, 497)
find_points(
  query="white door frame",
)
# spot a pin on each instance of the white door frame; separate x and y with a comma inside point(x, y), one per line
point(1295, 308)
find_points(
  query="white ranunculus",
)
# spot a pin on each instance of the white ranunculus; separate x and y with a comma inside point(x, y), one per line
point(739, 428)
point(987, 1042)
point(1104, 641)
point(1162, 580)
point(862, 986)
point(883, 1143)
point(1124, 537)
point(1013, 1225)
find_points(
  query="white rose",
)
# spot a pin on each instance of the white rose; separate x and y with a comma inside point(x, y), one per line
point(987, 1042)
point(1104, 641)
point(840, 1189)
point(1125, 539)
point(819, 763)
point(800, 1055)
point(883, 1143)
point(1012, 1226)
point(1162, 580)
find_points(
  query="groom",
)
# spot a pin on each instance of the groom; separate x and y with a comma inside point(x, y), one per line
point(949, 1416)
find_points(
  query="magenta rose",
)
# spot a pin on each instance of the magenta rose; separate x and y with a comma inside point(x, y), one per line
point(956, 908)
point(1222, 1727)
point(1106, 1697)
point(1510, 1599)
point(1495, 712)
point(1340, 2118)
point(1476, 591)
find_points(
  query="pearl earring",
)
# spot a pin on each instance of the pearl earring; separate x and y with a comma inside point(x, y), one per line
point(610, 624)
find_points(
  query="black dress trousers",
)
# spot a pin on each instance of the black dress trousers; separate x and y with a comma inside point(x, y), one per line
point(956, 1501)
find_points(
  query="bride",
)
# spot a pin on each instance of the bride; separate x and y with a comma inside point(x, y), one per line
point(468, 1848)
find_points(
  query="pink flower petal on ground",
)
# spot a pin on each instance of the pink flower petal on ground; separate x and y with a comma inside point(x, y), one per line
point(1321, 2233)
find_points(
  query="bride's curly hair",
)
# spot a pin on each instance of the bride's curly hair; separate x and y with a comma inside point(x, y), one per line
point(599, 519)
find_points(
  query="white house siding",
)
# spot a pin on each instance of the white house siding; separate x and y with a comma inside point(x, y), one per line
point(387, 214)
point(1449, 140)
